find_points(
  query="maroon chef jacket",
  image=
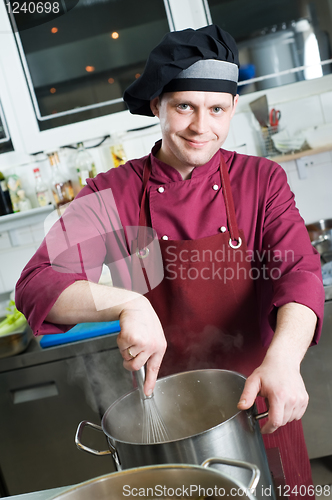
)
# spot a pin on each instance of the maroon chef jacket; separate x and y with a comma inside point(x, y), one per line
point(264, 207)
point(189, 210)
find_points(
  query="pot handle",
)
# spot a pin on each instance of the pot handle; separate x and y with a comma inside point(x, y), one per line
point(256, 473)
point(81, 446)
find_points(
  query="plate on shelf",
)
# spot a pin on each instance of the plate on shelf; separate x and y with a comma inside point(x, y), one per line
point(285, 142)
point(319, 136)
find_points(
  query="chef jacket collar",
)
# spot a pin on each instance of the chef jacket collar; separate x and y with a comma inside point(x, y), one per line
point(162, 172)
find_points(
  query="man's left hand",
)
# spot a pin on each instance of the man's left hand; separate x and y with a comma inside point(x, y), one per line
point(278, 378)
point(282, 386)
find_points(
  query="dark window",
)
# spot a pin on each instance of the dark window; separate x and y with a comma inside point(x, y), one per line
point(87, 55)
point(5, 143)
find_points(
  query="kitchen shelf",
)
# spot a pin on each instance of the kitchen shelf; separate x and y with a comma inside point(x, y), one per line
point(11, 222)
point(301, 154)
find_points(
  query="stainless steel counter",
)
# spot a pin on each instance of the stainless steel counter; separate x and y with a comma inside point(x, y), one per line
point(34, 354)
point(328, 292)
point(316, 369)
point(44, 395)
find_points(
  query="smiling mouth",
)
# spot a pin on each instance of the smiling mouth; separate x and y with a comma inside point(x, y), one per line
point(196, 144)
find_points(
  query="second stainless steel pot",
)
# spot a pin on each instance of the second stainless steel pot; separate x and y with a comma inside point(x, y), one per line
point(166, 482)
point(200, 411)
point(15, 342)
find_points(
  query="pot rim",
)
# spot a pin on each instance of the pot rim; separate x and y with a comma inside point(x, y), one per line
point(127, 472)
point(115, 440)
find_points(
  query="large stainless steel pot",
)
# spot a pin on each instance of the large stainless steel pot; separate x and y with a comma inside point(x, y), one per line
point(166, 481)
point(319, 228)
point(320, 233)
point(200, 411)
point(324, 248)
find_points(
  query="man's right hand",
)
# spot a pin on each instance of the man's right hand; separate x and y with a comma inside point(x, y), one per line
point(141, 339)
point(141, 330)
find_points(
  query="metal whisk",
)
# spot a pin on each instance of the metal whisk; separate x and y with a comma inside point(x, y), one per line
point(154, 428)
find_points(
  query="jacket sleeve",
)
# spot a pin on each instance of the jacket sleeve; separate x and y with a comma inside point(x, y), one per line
point(74, 249)
point(293, 265)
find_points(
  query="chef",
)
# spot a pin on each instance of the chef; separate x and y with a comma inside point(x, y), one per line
point(242, 286)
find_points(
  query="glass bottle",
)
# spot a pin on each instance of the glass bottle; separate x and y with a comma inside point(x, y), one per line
point(84, 165)
point(117, 152)
point(41, 189)
point(6, 206)
point(24, 203)
point(62, 188)
point(14, 185)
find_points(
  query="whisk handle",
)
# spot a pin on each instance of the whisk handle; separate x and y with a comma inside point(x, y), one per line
point(140, 379)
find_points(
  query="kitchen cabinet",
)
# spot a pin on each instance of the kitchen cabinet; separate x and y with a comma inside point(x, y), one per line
point(44, 394)
point(11, 222)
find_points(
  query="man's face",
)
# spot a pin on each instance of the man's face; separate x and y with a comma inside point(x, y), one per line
point(194, 125)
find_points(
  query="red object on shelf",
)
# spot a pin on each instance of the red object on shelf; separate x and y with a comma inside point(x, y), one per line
point(275, 116)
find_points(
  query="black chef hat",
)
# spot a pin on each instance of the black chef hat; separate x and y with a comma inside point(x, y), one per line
point(205, 59)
